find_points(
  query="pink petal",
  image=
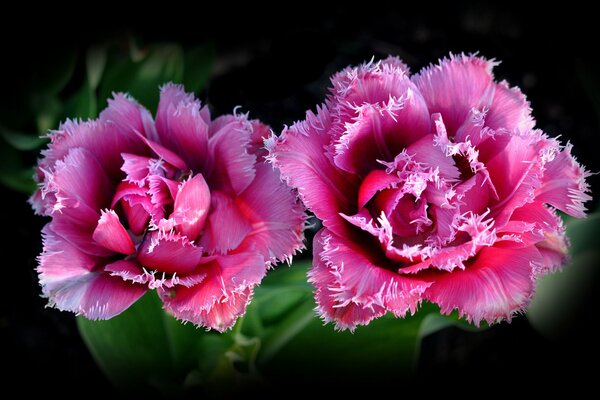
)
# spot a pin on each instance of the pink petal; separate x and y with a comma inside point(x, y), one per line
point(191, 207)
point(136, 168)
point(232, 165)
point(77, 187)
point(133, 272)
point(165, 154)
point(300, 157)
point(563, 184)
point(228, 279)
point(223, 314)
point(376, 181)
point(276, 217)
point(226, 226)
point(549, 235)
point(495, 285)
point(170, 253)
point(352, 289)
point(260, 133)
point(111, 234)
point(428, 155)
point(180, 126)
point(455, 86)
point(106, 138)
point(128, 116)
point(509, 110)
point(377, 131)
point(72, 282)
point(137, 216)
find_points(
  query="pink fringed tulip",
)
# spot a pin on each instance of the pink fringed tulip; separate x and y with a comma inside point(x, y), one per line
point(183, 204)
point(431, 187)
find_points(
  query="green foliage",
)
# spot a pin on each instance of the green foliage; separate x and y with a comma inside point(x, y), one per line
point(57, 93)
point(560, 297)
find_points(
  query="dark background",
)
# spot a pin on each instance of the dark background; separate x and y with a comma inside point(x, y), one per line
point(278, 67)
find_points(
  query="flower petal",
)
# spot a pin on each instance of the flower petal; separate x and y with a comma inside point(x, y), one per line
point(181, 127)
point(563, 184)
point(352, 289)
point(304, 164)
point(455, 86)
point(191, 207)
point(220, 236)
point(169, 252)
point(276, 217)
point(72, 281)
point(497, 283)
point(111, 234)
point(232, 165)
point(228, 279)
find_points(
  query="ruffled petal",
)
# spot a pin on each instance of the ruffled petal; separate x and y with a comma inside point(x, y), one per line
point(232, 164)
point(276, 217)
point(497, 283)
point(191, 207)
point(299, 154)
point(228, 280)
point(352, 289)
point(563, 184)
point(111, 234)
point(169, 252)
point(78, 187)
point(226, 226)
point(181, 127)
point(455, 86)
point(74, 281)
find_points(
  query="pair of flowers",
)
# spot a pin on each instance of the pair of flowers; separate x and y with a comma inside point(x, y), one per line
point(430, 187)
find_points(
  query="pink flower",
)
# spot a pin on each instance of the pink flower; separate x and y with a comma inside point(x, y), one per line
point(431, 187)
point(183, 204)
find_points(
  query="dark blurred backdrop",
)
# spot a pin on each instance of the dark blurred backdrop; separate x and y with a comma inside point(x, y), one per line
point(276, 68)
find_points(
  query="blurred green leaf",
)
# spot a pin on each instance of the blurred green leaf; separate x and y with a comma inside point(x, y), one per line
point(82, 104)
point(142, 78)
point(561, 296)
point(22, 141)
point(12, 171)
point(95, 62)
point(143, 348)
point(198, 63)
point(47, 110)
point(53, 76)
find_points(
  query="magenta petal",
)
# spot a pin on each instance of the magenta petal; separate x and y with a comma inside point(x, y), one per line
point(300, 157)
point(71, 283)
point(276, 217)
point(563, 184)
point(509, 110)
point(220, 236)
point(495, 285)
point(379, 132)
point(77, 187)
point(352, 289)
point(191, 206)
point(232, 164)
point(137, 216)
point(111, 234)
point(228, 280)
point(455, 86)
point(169, 252)
point(428, 155)
point(133, 272)
point(128, 117)
point(165, 154)
point(377, 180)
point(136, 168)
point(181, 127)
